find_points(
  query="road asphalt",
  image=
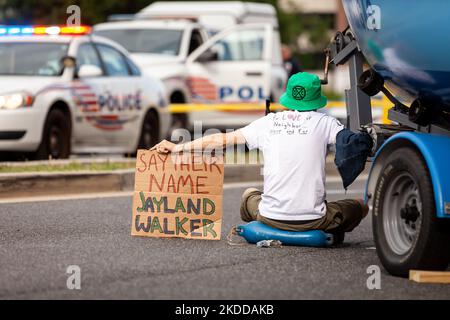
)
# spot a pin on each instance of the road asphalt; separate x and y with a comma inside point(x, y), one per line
point(40, 240)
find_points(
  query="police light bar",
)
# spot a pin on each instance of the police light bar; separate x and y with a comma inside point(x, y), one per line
point(44, 30)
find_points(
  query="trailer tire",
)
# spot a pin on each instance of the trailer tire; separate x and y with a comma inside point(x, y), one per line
point(408, 235)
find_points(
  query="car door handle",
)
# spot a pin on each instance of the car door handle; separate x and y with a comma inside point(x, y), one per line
point(254, 74)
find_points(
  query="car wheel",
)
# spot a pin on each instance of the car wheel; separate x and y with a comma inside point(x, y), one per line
point(149, 132)
point(55, 142)
point(407, 233)
point(179, 120)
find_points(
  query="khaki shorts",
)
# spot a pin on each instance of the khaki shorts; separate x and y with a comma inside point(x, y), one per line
point(342, 216)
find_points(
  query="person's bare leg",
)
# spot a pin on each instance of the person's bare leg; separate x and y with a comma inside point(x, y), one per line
point(364, 206)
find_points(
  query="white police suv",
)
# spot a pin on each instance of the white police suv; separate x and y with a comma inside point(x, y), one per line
point(65, 91)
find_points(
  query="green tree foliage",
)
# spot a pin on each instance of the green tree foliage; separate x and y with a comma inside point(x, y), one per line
point(54, 11)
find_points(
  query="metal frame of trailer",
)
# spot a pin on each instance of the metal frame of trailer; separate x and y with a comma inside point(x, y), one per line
point(408, 187)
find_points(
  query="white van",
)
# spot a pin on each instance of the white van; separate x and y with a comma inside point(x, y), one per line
point(225, 53)
point(214, 16)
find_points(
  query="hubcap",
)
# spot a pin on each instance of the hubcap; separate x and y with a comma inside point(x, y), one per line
point(402, 212)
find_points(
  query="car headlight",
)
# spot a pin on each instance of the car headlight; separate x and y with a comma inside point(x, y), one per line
point(15, 100)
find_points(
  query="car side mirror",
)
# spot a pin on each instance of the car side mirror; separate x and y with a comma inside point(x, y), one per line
point(208, 56)
point(89, 71)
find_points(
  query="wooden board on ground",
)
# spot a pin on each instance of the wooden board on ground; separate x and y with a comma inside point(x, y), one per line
point(178, 195)
point(429, 276)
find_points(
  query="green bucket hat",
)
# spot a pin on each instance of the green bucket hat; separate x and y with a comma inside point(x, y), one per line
point(303, 93)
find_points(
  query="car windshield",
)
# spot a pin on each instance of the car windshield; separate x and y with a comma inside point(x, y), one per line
point(32, 59)
point(159, 41)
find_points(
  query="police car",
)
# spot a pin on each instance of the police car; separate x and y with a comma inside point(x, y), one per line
point(65, 91)
point(222, 59)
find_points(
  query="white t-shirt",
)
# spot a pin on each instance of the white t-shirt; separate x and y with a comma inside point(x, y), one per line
point(294, 145)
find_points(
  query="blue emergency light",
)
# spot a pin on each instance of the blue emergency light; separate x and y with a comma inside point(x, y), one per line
point(43, 30)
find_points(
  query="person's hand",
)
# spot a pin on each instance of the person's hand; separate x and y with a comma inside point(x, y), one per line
point(164, 147)
point(373, 131)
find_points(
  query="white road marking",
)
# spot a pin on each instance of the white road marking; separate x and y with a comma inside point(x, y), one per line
point(227, 186)
point(335, 179)
point(68, 197)
point(330, 179)
point(343, 192)
point(242, 185)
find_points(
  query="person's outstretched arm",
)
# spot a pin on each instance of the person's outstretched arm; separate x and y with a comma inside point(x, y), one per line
point(215, 141)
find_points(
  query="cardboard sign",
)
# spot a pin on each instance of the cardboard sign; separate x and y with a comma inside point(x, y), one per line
point(178, 195)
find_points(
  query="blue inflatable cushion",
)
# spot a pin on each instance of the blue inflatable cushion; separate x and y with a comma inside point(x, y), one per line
point(256, 231)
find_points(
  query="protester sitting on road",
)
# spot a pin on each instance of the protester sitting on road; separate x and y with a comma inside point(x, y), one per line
point(294, 144)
